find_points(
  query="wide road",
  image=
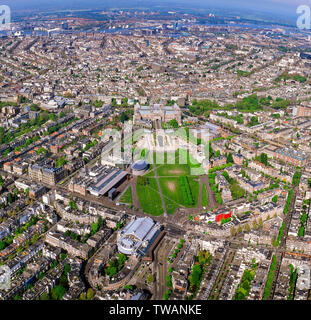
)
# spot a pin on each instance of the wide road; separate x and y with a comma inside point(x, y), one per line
point(212, 202)
point(162, 267)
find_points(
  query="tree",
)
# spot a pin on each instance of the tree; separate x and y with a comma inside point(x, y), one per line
point(254, 121)
point(275, 199)
point(124, 102)
point(83, 296)
point(296, 178)
point(73, 205)
point(264, 159)
point(260, 223)
point(60, 162)
point(63, 281)
point(34, 238)
point(10, 198)
point(226, 175)
point(173, 123)
point(150, 278)
point(66, 269)
point(167, 294)
point(112, 272)
point(100, 222)
point(94, 227)
point(195, 276)
point(44, 116)
point(114, 102)
point(27, 191)
point(229, 158)
point(247, 228)
point(26, 244)
point(90, 294)
point(58, 292)
point(124, 117)
point(233, 231)
point(63, 256)
point(169, 281)
point(301, 231)
point(52, 117)
point(121, 260)
point(45, 296)
point(129, 287)
point(2, 245)
point(203, 257)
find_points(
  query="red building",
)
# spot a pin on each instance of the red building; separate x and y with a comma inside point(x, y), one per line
point(223, 216)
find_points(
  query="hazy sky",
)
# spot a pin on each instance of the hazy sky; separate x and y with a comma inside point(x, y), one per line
point(236, 3)
point(273, 7)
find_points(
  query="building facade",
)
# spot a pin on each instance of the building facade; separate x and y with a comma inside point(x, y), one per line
point(156, 113)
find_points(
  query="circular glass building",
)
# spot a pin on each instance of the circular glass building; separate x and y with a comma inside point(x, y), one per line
point(139, 167)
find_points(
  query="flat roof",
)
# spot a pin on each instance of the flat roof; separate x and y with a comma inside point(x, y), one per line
point(109, 182)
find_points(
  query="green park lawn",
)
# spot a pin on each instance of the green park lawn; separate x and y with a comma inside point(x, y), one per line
point(171, 206)
point(170, 184)
point(171, 189)
point(149, 198)
point(127, 196)
point(170, 170)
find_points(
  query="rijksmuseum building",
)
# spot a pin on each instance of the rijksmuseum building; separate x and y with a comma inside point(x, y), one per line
point(156, 113)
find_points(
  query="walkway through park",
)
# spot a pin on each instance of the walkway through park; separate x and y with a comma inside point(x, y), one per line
point(136, 203)
point(158, 182)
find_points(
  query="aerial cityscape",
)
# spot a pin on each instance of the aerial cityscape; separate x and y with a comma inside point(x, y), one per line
point(156, 152)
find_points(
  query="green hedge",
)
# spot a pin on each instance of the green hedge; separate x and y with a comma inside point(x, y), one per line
point(186, 190)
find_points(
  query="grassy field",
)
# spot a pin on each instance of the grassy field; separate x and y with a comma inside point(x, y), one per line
point(170, 206)
point(173, 170)
point(149, 197)
point(127, 196)
point(170, 184)
point(171, 188)
point(150, 172)
point(172, 164)
point(204, 197)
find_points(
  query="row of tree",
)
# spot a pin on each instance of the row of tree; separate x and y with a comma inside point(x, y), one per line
point(186, 190)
